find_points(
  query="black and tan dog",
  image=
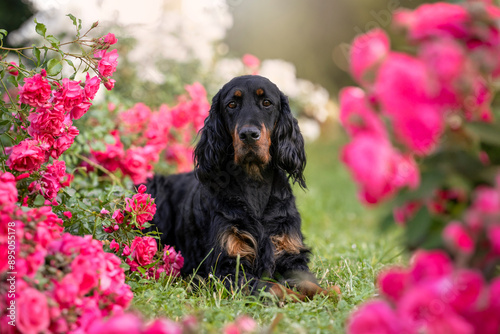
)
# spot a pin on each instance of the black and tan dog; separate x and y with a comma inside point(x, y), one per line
point(238, 201)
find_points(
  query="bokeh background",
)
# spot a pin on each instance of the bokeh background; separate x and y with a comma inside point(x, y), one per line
point(165, 44)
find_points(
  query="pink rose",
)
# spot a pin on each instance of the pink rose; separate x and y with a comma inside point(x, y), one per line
point(110, 39)
point(430, 265)
point(114, 246)
point(393, 283)
point(423, 310)
point(118, 216)
point(12, 68)
point(135, 119)
point(91, 86)
point(137, 165)
point(69, 94)
point(80, 109)
point(25, 156)
point(487, 200)
point(173, 261)
point(32, 311)
point(367, 51)
point(163, 326)
point(46, 120)
point(36, 91)
point(374, 317)
point(109, 84)
point(112, 156)
point(123, 323)
point(8, 190)
point(405, 91)
point(356, 115)
point(143, 250)
point(64, 142)
point(181, 156)
point(458, 237)
point(107, 64)
point(431, 20)
point(142, 206)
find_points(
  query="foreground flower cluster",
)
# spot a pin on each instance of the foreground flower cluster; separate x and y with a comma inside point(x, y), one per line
point(418, 129)
point(432, 296)
point(169, 129)
point(62, 283)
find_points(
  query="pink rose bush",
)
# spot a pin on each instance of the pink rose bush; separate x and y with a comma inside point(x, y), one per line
point(164, 135)
point(81, 282)
point(418, 127)
point(432, 296)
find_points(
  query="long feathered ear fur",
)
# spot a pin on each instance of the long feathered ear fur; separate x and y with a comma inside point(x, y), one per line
point(212, 151)
point(288, 144)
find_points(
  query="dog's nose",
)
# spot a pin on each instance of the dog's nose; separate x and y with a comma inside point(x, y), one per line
point(249, 134)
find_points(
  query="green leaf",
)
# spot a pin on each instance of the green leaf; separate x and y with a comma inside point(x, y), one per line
point(418, 227)
point(487, 132)
point(4, 126)
point(54, 67)
point(70, 63)
point(54, 41)
point(36, 54)
point(13, 80)
point(109, 139)
point(3, 33)
point(39, 200)
point(40, 29)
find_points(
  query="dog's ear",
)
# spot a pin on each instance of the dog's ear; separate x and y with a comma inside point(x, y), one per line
point(211, 152)
point(288, 144)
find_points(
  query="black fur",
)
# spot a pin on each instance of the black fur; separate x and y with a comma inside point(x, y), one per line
point(195, 211)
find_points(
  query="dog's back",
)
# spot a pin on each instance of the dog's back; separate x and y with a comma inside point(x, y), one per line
point(179, 198)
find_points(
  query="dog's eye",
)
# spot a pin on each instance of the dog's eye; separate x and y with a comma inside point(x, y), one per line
point(232, 104)
point(266, 103)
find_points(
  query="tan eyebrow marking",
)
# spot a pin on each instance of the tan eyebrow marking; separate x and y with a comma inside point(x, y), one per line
point(260, 92)
point(238, 93)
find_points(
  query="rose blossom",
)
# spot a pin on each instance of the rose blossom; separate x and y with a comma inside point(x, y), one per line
point(8, 190)
point(62, 143)
point(367, 51)
point(374, 317)
point(173, 261)
point(46, 120)
point(36, 91)
point(32, 311)
point(25, 156)
point(69, 94)
point(91, 86)
point(107, 64)
point(136, 165)
point(142, 206)
point(458, 237)
point(143, 250)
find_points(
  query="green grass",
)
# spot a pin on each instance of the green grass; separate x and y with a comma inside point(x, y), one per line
point(347, 249)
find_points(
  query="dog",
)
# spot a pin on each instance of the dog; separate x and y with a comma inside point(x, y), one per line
point(237, 207)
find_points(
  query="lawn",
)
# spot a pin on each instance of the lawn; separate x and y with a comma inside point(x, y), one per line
point(347, 250)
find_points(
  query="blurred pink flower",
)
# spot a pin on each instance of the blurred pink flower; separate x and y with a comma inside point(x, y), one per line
point(374, 317)
point(32, 311)
point(433, 20)
point(356, 115)
point(405, 91)
point(458, 238)
point(8, 190)
point(430, 265)
point(368, 51)
point(393, 283)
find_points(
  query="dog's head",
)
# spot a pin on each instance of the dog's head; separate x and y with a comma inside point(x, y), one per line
point(250, 124)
